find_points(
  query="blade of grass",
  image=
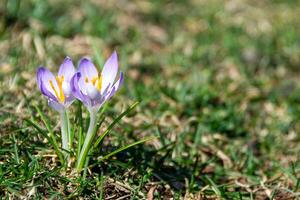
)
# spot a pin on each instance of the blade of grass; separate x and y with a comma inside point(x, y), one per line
point(16, 149)
point(137, 190)
point(72, 133)
point(100, 138)
point(214, 186)
point(85, 167)
point(47, 124)
point(101, 186)
point(48, 127)
point(79, 119)
point(297, 184)
point(161, 136)
point(197, 139)
point(103, 109)
point(127, 147)
point(35, 125)
point(80, 140)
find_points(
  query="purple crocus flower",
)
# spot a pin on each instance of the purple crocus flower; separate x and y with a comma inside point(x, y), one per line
point(57, 88)
point(92, 88)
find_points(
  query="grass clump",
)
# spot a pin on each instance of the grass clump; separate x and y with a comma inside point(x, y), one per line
point(217, 81)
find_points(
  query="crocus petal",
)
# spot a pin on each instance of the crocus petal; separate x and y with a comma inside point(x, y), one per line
point(76, 90)
point(66, 87)
point(112, 92)
point(67, 69)
point(69, 101)
point(119, 82)
point(116, 87)
point(82, 85)
point(45, 76)
point(38, 76)
point(92, 91)
point(100, 100)
point(56, 106)
point(109, 71)
point(87, 69)
point(46, 92)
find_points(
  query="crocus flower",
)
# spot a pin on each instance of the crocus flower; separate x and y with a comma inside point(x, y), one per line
point(57, 89)
point(92, 88)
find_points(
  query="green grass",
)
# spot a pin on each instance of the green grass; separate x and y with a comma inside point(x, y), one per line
point(217, 81)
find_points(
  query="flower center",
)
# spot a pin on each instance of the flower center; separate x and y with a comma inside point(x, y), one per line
point(95, 81)
point(59, 94)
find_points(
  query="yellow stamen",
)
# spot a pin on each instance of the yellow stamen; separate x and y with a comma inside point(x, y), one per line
point(94, 80)
point(60, 80)
point(97, 81)
point(53, 88)
point(99, 85)
point(60, 95)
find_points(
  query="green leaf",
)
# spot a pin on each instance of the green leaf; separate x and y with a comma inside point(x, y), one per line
point(127, 147)
point(100, 138)
point(214, 186)
point(54, 142)
point(35, 125)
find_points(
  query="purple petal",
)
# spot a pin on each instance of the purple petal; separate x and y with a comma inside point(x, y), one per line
point(119, 82)
point(92, 91)
point(56, 106)
point(74, 86)
point(69, 100)
point(82, 85)
point(116, 87)
point(101, 99)
point(44, 76)
point(38, 76)
point(67, 69)
point(112, 92)
point(46, 92)
point(76, 91)
point(109, 71)
point(87, 69)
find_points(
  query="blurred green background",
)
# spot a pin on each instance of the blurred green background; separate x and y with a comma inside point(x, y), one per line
point(218, 81)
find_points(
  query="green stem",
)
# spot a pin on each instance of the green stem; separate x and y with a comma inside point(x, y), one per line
point(70, 138)
point(64, 131)
point(87, 142)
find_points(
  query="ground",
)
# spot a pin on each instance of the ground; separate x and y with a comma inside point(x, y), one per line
point(217, 81)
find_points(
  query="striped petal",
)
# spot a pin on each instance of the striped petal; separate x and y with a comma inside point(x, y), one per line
point(115, 87)
point(109, 71)
point(44, 79)
point(76, 90)
point(87, 69)
point(67, 69)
